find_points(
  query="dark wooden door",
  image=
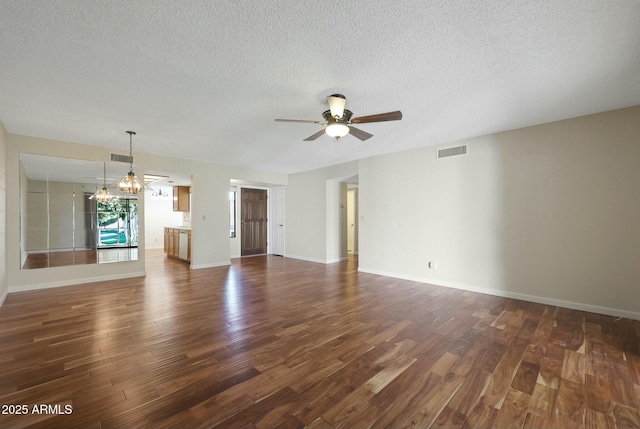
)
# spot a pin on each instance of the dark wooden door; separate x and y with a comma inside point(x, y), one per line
point(253, 209)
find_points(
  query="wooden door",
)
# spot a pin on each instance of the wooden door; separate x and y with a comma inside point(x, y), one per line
point(253, 210)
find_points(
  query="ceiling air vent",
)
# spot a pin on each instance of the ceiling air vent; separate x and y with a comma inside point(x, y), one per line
point(452, 151)
point(121, 158)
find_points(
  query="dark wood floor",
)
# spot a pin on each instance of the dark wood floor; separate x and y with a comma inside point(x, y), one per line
point(272, 342)
point(79, 257)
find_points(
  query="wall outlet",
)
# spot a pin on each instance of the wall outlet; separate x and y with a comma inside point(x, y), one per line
point(433, 265)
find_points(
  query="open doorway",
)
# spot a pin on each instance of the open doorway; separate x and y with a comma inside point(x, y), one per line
point(167, 215)
point(352, 219)
point(342, 214)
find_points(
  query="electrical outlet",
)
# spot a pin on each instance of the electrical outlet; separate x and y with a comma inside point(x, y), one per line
point(433, 265)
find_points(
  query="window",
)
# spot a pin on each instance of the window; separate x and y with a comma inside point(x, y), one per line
point(232, 214)
point(117, 223)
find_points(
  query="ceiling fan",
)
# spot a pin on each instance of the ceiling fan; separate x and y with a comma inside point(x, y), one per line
point(338, 120)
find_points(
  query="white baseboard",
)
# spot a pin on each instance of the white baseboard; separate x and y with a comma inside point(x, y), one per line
point(318, 261)
point(306, 258)
point(153, 247)
point(24, 288)
point(3, 297)
point(212, 265)
point(616, 312)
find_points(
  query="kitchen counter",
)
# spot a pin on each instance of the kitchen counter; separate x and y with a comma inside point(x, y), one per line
point(177, 242)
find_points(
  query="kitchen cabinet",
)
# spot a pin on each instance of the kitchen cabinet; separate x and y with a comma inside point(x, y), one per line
point(181, 199)
point(177, 243)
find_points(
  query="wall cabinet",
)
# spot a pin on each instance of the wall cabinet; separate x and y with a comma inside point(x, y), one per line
point(181, 199)
point(172, 245)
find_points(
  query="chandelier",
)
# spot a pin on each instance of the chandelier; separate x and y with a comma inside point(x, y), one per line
point(103, 194)
point(131, 184)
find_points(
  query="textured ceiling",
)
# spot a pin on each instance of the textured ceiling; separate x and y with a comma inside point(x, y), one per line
point(205, 80)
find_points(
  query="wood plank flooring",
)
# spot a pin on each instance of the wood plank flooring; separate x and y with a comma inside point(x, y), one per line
point(272, 342)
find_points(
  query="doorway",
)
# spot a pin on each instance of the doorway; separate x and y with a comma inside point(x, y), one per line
point(352, 221)
point(253, 222)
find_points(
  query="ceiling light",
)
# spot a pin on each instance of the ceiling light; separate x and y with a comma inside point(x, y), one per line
point(152, 178)
point(336, 105)
point(337, 130)
point(131, 184)
point(159, 194)
point(103, 194)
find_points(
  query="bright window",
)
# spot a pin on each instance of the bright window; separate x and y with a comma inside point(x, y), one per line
point(232, 214)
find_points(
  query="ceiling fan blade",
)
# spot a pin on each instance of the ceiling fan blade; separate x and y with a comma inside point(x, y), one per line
point(358, 133)
point(314, 136)
point(381, 117)
point(300, 120)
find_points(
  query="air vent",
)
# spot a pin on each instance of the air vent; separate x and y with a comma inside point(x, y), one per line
point(121, 158)
point(452, 151)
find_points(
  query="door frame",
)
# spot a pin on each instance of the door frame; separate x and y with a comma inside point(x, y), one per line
point(236, 249)
point(272, 230)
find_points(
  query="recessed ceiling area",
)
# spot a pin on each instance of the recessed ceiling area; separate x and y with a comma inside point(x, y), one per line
point(205, 80)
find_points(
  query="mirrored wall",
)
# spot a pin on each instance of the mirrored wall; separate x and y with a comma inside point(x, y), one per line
point(61, 224)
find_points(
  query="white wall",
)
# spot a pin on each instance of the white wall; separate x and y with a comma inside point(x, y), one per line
point(158, 214)
point(209, 212)
point(546, 213)
point(4, 289)
point(313, 213)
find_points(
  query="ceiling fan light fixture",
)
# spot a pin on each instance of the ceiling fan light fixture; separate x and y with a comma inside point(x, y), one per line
point(338, 120)
point(336, 105)
point(337, 130)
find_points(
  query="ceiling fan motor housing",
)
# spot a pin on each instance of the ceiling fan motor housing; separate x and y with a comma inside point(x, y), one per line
point(346, 117)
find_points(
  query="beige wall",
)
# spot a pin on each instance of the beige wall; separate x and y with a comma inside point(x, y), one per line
point(313, 213)
point(547, 213)
point(3, 204)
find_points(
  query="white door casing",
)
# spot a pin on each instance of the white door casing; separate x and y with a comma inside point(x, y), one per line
point(276, 218)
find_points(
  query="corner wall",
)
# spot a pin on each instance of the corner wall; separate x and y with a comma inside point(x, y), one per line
point(312, 213)
point(547, 213)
